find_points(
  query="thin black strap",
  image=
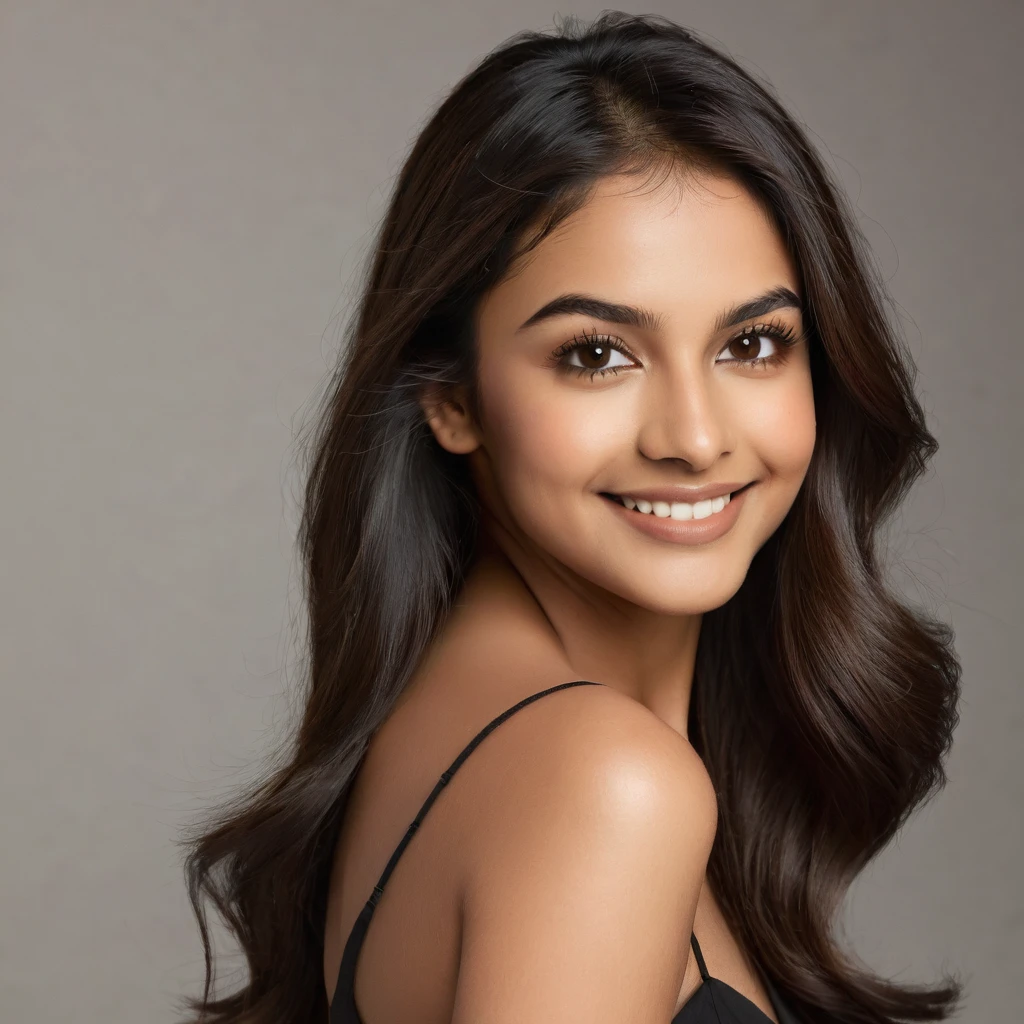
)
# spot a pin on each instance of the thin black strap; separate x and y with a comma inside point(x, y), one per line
point(705, 977)
point(378, 889)
point(343, 1001)
point(700, 957)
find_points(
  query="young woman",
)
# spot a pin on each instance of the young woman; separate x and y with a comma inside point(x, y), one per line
point(609, 698)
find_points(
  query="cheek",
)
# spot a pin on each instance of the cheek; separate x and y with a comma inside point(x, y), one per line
point(547, 437)
point(781, 428)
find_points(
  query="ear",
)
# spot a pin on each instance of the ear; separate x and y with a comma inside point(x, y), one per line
point(450, 420)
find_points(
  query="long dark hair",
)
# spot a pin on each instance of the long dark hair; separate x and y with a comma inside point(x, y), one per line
point(823, 705)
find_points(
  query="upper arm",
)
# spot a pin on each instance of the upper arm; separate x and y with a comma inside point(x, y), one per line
point(582, 881)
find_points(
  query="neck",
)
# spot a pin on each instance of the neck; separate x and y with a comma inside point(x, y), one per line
point(600, 636)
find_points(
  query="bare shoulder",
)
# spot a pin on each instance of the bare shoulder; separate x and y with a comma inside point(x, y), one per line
point(594, 822)
point(591, 748)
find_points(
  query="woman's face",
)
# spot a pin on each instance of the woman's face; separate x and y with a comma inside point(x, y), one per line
point(589, 403)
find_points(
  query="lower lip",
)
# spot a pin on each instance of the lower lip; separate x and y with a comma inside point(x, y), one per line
point(683, 531)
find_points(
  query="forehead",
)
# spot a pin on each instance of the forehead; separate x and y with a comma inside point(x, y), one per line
point(686, 246)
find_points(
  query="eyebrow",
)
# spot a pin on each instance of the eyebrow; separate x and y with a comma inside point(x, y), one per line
point(639, 316)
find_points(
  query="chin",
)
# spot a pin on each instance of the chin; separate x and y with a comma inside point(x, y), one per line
point(686, 600)
point(687, 591)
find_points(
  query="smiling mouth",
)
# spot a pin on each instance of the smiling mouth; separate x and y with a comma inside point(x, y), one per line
point(679, 510)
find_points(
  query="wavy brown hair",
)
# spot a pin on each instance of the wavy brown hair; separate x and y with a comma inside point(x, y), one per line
point(823, 705)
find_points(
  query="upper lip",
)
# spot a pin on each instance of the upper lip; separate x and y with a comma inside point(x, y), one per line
point(679, 493)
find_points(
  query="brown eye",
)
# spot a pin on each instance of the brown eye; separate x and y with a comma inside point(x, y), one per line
point(593, 356)
point(746, 346)
point(759, 346)
point(596, 356)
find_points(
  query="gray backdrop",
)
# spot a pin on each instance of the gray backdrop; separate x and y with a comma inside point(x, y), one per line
point(186, 188)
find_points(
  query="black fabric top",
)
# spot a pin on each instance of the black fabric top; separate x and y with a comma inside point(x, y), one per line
point(713, 1002)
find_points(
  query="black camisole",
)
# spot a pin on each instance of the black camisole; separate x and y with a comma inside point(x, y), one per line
point(713, 1002)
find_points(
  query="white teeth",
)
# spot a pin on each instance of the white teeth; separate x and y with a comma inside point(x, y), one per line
point(679, 509)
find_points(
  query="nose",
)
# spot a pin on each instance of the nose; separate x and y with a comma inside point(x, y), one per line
point(684, 419)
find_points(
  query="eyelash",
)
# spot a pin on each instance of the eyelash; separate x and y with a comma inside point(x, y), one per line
point(783, 334)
